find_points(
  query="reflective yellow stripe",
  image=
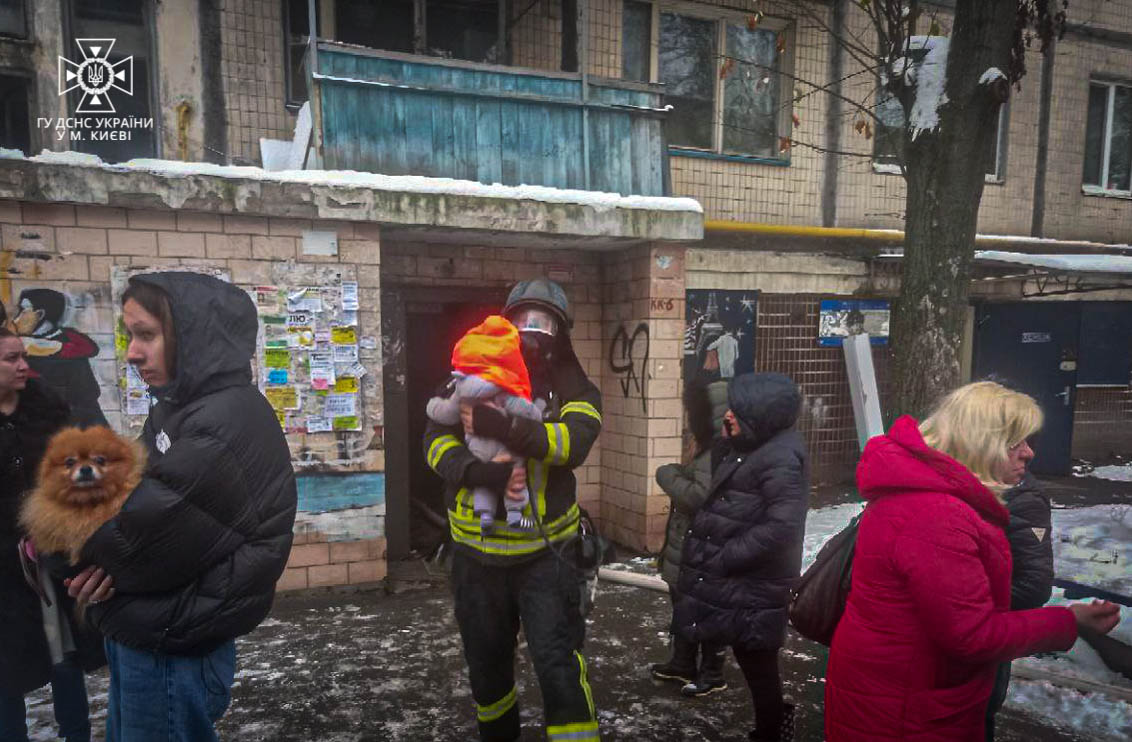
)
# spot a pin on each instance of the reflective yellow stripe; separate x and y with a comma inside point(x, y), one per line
point(499, 708)
point(582, 408)
point(585, 731)
point(439, 447)
point(507, 541)
point(537, 478)
point(558, 443)
point(586, 685)
point(464, 504)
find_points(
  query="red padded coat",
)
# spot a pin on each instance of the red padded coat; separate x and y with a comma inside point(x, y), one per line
point(928, 617)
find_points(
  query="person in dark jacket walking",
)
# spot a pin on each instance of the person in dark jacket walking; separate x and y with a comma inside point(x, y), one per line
point(743, 552)
point(687, 487)
point(191, 561)
point(1031, 578)
point(29, 415)
point(514, 576)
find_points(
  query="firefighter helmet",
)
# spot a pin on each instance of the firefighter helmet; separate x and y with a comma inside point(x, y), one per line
point(541, 292)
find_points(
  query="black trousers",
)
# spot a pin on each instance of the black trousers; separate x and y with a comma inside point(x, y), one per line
point(544, 596)
point(760, 670)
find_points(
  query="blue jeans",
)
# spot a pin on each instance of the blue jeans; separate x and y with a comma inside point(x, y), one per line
point(68, 694)
point(167, 698)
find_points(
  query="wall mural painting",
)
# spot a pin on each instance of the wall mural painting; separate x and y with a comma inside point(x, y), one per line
point(60, 355)
point(719, 333)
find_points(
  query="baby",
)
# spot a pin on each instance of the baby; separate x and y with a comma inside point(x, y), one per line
point(488, 367)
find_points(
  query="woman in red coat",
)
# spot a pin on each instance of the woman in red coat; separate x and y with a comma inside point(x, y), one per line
point(928, 617)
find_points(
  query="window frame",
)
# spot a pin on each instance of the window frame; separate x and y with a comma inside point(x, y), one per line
point(1106, 150)
point(149, 22)
point(29, 91)
point(721, 17)
point(26, 33)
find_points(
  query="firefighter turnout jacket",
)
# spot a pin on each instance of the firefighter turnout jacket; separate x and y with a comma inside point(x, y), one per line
point(552, 449)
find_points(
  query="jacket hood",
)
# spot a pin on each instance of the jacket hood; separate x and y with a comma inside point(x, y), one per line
point(902, 463)
point(215, 325)
point(765, 404)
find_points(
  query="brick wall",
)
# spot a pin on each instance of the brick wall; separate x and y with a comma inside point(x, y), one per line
point(75, 248)
point(642, 331)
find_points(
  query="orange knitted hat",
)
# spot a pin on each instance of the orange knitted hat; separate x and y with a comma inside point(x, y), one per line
point(492, 352)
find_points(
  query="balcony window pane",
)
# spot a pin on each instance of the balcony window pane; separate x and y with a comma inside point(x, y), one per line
point(463, 29)
point(13, 20)
point(1094, 133)
point(636, 34)
point(687, 66)
point(1120, 146)
point(750, 92)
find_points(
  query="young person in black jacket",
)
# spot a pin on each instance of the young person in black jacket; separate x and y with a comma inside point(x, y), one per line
point(191, 561)
point(1031, 581)
point(743, 552)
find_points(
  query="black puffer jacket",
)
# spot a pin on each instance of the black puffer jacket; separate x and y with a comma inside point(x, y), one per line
point(743, 552)
point(198, 546)
point(25, 661)
point(1031, 544)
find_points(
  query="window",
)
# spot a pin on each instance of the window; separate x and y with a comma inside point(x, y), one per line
point(888, 144)
point(129, 24)
point(636, 41)
point(13, 19)
point(722, 75)
point(15, 124)
point(1108, 139)
point(452, 29)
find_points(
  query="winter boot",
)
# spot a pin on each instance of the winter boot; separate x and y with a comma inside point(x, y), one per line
point(784, 733)
point(710, 677)
point(681, 667)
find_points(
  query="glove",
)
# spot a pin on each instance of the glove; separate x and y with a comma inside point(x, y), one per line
point(490, 422)
point(491, 474)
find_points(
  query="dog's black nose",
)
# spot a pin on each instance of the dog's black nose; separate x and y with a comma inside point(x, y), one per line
point(86, 474)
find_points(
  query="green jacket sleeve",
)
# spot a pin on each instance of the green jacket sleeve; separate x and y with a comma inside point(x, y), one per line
point(686, 485)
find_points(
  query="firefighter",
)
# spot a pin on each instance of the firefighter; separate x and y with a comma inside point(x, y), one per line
point(532, 576)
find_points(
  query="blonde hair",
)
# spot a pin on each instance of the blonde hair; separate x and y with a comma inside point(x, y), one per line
point(978, 423)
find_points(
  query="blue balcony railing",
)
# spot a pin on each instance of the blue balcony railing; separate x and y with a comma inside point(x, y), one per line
point(400, 114)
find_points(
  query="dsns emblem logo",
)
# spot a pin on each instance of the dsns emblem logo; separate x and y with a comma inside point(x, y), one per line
point(96, 76)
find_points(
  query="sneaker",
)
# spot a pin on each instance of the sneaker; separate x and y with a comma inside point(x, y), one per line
point(703, 686)
point(673, 673)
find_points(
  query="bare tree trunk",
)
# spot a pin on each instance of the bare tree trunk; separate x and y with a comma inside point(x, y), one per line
point(945, 175)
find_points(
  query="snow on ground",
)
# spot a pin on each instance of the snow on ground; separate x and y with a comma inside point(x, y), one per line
point(1092, 546)
point(1115, 473)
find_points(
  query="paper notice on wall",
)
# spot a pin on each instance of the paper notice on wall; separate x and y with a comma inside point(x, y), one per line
point(277, 357)
point(137, 402)
point(347, 422)
point(282, 397)
point(134, 379)
point(321, 371)
point(350, 295)
point(344, 335)
point(319, 425)
point(304, 300)
point(340, 405)
point(346, 354)
point(369, 342)
point(303, 337)
point(277, 376)
point(348, 317)
point(281, 416)
point(300, 319)
point(267, 299)
point(322, 337)
point(346, 385)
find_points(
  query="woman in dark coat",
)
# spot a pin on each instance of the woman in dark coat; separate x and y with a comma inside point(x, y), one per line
point(743, 552)
point(687, 487)
point(29, 415)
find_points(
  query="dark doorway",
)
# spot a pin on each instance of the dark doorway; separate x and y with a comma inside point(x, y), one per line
point(1033, 346)
point(419, 327)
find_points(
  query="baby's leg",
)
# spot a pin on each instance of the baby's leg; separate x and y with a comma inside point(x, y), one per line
point(514, 507)
point(483, 502)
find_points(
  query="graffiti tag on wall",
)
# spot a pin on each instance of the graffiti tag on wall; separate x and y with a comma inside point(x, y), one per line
point(628, 358)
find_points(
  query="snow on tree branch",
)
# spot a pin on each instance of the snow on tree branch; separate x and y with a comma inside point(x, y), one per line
point(932, 81)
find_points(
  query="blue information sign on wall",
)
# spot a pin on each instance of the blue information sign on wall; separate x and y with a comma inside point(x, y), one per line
point(839, 318)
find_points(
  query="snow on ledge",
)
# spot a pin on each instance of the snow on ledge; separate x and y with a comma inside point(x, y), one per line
point(992, 74)
point(596, 200)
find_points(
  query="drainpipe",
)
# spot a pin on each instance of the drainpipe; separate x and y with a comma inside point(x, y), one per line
point(1045, 102)
point(833, 117)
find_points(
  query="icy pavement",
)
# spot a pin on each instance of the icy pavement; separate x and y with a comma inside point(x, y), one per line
point(367, 666)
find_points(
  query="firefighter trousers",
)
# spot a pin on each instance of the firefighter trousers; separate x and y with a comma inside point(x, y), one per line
point(544, 595)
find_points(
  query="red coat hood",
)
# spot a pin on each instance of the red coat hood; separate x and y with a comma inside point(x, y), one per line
point(901, 463)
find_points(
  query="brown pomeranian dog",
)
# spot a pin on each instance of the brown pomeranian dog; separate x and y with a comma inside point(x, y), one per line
point(84, 478)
